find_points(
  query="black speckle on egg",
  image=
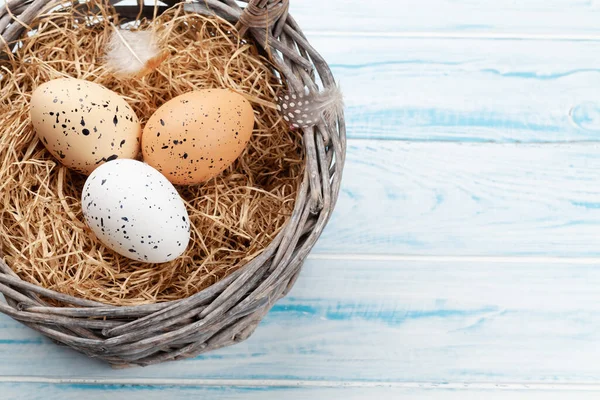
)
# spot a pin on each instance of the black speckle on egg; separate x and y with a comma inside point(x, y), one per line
point(85, 132)
point(162, 122)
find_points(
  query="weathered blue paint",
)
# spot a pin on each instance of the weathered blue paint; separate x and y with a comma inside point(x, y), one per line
point(452, 97)
point(433, 117)
point(36, 340)
point(537, 75)
point(585, 204)
point(341, 312)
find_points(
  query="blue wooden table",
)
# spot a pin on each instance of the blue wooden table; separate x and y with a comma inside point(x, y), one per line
point(463, 260)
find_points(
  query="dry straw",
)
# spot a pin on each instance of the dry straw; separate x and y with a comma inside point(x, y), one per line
point(235, 216)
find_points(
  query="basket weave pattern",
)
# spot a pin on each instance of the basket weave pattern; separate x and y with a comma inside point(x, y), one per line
point(230, 310)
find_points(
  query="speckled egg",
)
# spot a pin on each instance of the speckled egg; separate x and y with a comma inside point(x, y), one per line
point(135, 211)
point(84, 124)
point(197, 135)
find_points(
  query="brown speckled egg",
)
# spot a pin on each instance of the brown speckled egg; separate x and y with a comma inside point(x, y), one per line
point(84, 124)
point(197, 135)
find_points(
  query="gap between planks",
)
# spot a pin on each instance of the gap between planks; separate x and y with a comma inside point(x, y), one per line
point(463, 142)
point(454, 259)
point(459, 35)
point(584, 387)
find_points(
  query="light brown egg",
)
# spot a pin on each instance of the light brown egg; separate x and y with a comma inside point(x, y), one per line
point(197, 135)
point(84, 124)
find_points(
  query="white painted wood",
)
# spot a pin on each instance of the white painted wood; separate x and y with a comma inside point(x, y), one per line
point(470, 90)
point(547, 17)
point(554, 18)
point(356, 321)
point(19, 391)
point(467, 90)
point(467, 199)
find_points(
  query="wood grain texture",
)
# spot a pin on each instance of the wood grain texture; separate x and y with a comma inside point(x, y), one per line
point(530, 17)
point(40, 391)
point(467, 199)
point(467, 90)
point(537, 18)
point(387, 321)
point(506, 326)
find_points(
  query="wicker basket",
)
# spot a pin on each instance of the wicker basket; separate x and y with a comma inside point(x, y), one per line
point(230, 310)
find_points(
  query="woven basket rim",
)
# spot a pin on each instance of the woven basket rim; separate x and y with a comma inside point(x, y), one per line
point(228, 311)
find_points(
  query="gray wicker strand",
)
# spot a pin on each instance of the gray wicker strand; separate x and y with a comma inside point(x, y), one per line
point(230, 310)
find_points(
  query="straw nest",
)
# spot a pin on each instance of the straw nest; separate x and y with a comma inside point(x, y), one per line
point(234, 216)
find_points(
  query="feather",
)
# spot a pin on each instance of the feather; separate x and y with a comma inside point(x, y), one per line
point(133, 52)
point(304, 111)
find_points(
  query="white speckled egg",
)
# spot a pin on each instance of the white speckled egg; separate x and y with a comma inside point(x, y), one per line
point(83, 124)
point(135, 211)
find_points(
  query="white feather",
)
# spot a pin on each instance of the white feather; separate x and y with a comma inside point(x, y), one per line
point(130, 52)
point(304, 111)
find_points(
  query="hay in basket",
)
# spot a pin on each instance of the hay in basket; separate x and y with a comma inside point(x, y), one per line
point(234, 216)
point(252, 226)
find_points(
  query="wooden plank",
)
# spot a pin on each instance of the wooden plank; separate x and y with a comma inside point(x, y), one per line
point(537, 18)
point(467, 199)
point(467, 90)
point(384, 321)
point(530, 17)
point(37, 391)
